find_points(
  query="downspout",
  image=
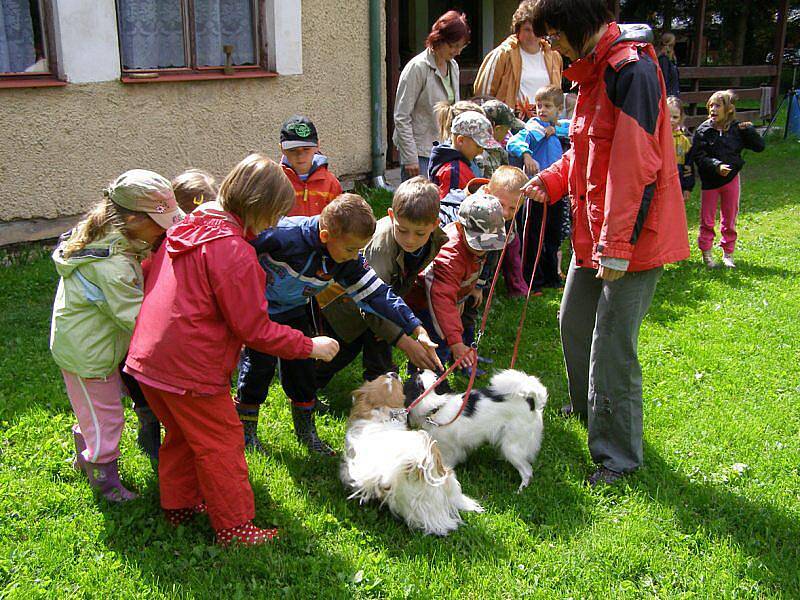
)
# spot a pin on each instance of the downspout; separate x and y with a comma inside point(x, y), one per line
point(375, 85)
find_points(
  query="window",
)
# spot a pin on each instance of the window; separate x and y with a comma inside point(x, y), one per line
point(24, 47)
point(189, 36)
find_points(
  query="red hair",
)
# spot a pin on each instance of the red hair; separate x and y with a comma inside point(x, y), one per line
point(450, 28)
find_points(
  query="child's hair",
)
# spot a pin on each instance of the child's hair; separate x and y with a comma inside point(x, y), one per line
point(194, 187)
point(553, 93)
point(675, 102)
point(727, 98)
point(450, 28)
point(507, 178)
point(348, 214)
point(446, 112)
point(417, 200)
point(104, 217)
point(257, 191)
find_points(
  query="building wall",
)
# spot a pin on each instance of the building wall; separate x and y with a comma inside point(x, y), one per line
point(60, 146)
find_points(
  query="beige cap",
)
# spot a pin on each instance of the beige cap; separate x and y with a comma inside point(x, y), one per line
point(148, 192)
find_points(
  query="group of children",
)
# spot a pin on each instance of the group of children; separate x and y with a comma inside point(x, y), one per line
point(166, 286)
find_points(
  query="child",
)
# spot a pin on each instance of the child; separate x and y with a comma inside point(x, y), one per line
point(682, 146)
point(503, 122)
point(97, 302)
point(441, 291)
point(450, 169)
point(193, 187)
point(446, 112)
point(404, 243)
point(539, 147)
point(307, 169)
point(717, 152)
point(302, 256)
point(204, 298)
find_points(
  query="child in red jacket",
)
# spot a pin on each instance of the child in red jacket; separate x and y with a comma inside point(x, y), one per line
point(204, 298)
point(439, 295)
point(307, 168)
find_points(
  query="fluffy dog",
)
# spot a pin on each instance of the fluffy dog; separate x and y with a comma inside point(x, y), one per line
point(507, 414)
point(403, 469)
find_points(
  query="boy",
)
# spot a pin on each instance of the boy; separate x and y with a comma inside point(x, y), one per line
point(539, 147)
point(503, 121)
point(404, 243)
point(301, 256)
point(307, 169)
point(471, 134)
point(441, 291)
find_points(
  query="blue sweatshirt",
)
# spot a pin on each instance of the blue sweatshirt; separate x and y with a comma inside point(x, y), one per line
point(532, 140)
point(299, 266)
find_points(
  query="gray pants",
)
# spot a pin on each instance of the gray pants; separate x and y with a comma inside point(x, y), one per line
point(600, 323)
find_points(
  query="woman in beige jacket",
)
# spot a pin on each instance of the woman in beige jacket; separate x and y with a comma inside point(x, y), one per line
point(428, 78)
point(514, 70)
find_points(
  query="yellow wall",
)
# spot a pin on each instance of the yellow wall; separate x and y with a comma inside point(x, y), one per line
point(60, 146)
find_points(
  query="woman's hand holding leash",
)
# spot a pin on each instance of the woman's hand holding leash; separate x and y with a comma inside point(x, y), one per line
point(324, 348)
point(536, 191)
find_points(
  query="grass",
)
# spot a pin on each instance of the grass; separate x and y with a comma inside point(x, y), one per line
point(715, 512)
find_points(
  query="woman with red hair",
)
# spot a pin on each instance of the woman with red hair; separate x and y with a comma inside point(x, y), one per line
point(428, 78)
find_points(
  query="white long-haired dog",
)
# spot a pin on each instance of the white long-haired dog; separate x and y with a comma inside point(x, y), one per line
point(507, 414)
point(402, 469)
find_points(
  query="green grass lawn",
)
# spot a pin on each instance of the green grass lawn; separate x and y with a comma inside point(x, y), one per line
point(715, 512)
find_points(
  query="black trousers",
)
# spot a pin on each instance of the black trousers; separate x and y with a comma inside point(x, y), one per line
point(547, 270)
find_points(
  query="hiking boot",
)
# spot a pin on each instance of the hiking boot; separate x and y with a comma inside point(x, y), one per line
point(708, 259)
point(305, 429)
point(179, 516)
point(104, 477)
point(249, 418)
point(246, 534)
point(727, 261)
point(603, 475)
point(149, 434)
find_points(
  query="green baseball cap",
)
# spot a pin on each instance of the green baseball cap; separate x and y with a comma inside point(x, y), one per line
point(500, 113)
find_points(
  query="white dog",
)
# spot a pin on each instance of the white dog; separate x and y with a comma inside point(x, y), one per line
point(507, 414)
point(403, 469)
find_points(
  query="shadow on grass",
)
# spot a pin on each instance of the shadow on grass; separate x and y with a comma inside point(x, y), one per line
point(763, 532)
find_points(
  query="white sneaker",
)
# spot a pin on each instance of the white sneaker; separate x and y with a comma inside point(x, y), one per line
point(708, 259)
point(727, 260)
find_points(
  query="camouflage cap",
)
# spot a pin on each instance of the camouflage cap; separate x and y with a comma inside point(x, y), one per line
point(500, 113)
point(473, 124)
point(481, 216)
point(147, 192)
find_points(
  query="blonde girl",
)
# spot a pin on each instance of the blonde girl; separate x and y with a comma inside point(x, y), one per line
point(682, 145)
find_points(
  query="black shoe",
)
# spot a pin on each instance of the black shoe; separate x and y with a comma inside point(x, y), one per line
point(251, 441)
point(603, 475)
point(305, 429)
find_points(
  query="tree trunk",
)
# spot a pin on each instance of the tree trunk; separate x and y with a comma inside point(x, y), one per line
point(740, 36)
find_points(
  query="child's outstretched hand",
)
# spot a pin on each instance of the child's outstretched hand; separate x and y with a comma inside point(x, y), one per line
point(324, 348)
point(536, 191)
point(549, 131)
point(531, 167)
point(725, 170)
point(422, 351)
point(459, 350)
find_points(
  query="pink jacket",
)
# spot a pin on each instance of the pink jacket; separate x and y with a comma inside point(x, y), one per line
point(204, 298)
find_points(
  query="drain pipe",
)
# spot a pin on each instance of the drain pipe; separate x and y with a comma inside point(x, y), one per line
point(375, 84)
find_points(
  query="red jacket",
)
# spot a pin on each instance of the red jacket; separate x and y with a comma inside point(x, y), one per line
point(203, 299)
point(444, 285)
point(316, 192)
point(449, 169)
point(621, 172)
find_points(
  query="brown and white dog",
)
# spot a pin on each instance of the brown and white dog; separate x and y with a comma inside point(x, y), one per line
point(402, 469)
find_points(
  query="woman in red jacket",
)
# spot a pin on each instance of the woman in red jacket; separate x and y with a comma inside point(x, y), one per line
point(204, 299)
point(628, 215)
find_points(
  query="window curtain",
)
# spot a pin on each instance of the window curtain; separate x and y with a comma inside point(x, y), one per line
point(16, 36)
point(224, 22)
point(151, 34)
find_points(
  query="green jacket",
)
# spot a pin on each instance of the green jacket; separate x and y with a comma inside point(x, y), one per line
point(97, 302)
point(386, 258)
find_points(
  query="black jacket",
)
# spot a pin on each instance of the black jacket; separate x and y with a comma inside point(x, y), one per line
point(671, 75)
point(712, 148)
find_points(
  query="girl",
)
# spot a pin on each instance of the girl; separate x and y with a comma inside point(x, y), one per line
point(98, 298)
point(682, 145)
point(204, 299)
point(717, 152)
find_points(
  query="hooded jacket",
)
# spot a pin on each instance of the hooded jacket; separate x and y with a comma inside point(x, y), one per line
point(500, 72)
point(712, 148)
point(449, 169)
point(620, 172)
point(316, 192)
point(204, 299)
point(96, 305)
